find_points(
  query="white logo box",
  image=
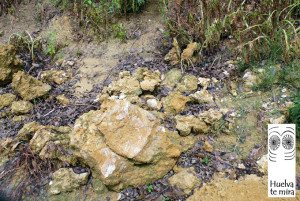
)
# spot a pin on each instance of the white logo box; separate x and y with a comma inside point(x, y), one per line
point(281, 160)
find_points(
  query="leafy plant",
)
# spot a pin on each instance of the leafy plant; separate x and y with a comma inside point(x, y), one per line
point(51, 44)
point(206, 160)
point(119, 31)
point(166, 199)
point(24, 41)
point(150, 188)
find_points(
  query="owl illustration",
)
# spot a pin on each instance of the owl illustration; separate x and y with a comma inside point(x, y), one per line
point(281, 143)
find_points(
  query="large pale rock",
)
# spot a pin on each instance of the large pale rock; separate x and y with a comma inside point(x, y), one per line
point(211, 116)
point(127, 85)
point(262, 164)
point(189, 51)
point(187, 124)
point(186, 180)
point(29, 87)
point(203, 97)
point(125, 145)
point(188, 83)
point(175, 102)
point(172, 78)
point(151, 80)
point(6, 100)
point(21, 107)
point(65, 180)
point(9, 64)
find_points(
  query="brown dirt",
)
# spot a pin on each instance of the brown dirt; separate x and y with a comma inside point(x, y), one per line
point(22, 21)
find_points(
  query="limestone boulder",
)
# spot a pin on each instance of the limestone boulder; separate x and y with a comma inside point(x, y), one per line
point(125, 145)
point(172, 78)
point(29, 87)
point(151, 80)
point(211, 116)
point(65, 180)
point(249, 80)
point(185, 180)
point(188, 83)
point(175, 102)
point(188, 124)
point(127, 85)
point(6, 100)
point(203, 97)
point(21, 107)
point(9, 64)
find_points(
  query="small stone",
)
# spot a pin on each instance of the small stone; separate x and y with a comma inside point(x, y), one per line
point(65, 180)
point(175, 102)
point(203, 97)
point(188, 83)
point(6, 100)
point(63, 99)
point(29, 87)
point(204, 82)
point(21, 107)
point(172, 78)
point(185, 180)
point(17, 119)
point(70, 63)
point(211, 116)
point(207, 147)
point(189, 51)
point(263, 164)
point(153, 104)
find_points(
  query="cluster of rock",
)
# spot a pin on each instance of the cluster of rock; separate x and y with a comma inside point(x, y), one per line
point(24, 85)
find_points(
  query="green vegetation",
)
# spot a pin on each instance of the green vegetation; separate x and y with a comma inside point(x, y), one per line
point(101, 15)
point(150, 188)
point(206, 160)
point(166, 199)
point(25, 41)
point(261, 30)
point(51, 44)
point(294, 113)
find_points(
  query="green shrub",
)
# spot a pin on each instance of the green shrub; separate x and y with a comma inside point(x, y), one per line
point(294, 114)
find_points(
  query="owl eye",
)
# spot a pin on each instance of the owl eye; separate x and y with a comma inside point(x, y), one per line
point(288, 142)
point(274, 142)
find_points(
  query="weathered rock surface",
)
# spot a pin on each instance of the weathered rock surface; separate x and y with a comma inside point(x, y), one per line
point(6, 100)
point(203, 97)
point(250, 80)
point(262, 164)
point(151, 80)
point(126, 145)
point(188, 124)
point(185, 180)
point(211, 116)
point(189, 51)
point(65, 180)
point(204, 82)
point(21, 107)
point(207, 146)
point(63, 99)
point(188, 83)
point(172, 78)
point(9, 64)
point(175, 102)
point(29, 87)
point(127, 85)
point(58, 77)
point(173, 56)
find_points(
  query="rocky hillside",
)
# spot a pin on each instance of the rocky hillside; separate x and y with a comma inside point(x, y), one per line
point(138, 118)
